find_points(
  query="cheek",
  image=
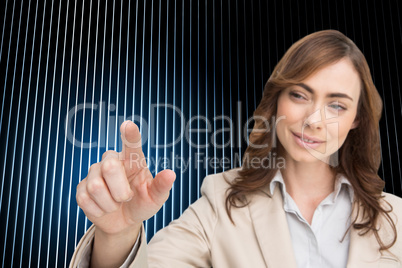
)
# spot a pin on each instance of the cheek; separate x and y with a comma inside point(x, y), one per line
point(288, 111)
point(339, 131)
point(280, 109)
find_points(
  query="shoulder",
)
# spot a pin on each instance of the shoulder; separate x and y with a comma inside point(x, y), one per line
point(393, 204)
point(218, 183)
point(214, 188)
point(396, 203)
point(392, 198)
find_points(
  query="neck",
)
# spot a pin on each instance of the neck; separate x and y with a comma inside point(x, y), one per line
point(309, 180)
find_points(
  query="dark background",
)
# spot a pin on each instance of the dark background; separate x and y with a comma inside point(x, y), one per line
point(208, 58)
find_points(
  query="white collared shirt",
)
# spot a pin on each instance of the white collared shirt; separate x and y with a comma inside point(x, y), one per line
point(323, 243)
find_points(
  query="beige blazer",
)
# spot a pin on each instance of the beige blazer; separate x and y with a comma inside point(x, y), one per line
point(204, 236)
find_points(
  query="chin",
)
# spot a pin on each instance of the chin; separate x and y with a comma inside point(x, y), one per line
point(307, 158)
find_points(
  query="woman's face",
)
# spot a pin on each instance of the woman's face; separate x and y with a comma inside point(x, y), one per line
point(315, 117)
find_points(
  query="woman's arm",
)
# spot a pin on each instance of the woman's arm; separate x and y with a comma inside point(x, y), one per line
point(185, 242)
point(118, 194)
point(113, 250)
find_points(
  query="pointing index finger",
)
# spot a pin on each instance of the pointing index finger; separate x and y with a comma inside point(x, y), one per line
point(133, 156)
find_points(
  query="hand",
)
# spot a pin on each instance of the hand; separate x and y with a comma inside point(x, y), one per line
point(119, 192)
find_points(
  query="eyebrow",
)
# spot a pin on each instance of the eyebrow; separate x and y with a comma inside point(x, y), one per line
point(331, 95)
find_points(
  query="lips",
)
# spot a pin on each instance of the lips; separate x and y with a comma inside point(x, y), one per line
point(306, 138)
point(313, 144)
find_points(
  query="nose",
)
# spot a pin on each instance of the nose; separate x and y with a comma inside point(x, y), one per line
point(315, 118)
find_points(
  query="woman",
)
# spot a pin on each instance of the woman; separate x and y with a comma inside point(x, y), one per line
point(324, 208)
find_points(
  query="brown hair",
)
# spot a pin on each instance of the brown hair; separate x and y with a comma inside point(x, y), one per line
point(359, 156)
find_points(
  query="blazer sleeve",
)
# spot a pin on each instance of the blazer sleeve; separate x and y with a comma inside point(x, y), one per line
point(185, 242)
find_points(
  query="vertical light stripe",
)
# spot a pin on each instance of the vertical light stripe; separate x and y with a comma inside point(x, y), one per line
point(372, 65)
point(245, 67)
point(373, 73)
point(298, 22)
point(25, 126)
point(398, 84)
point(11, 99)
point(16, 128)
point(344, 20)
point(61, 189)
point(395, 54)
point(110, 107)
point(135, 57)
point(306, 16)
point(313, 12)
point(142, 80)
point(80, 175)
point(92, 113)
point(321, 15)
point(392, 100)
point(198, 98)
point(261, 57)
point(276, 32)
point(149, 133)
point(6, 72)
point(126, 75)
point(2, 33)
point(24, 131)
point(48, 140)
point(47, 153)
point(239, 123)
point(384, 103)
point(283, 28)
point(268, 43)
point(337, 16)
point(157, 102)
point(116, 136)
point(126, 72)
point(181, 106)
point(399, 21)
point(214, 72)
point(353, 21)
point(101, 112)
point(329, 14)
point(206, 86)
point(253, 49)
point(142, 66)
point(239, 103)
point(174, 105)
point(361, 30)
point(232, 135)
point(165, 219)
point(72, 150)
point(101, 126)
point(298, 16)
point(190, 177)
point(33, 126)
point(6, 76)
point(222, 95)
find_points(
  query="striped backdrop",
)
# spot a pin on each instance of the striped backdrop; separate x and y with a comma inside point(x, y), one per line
point(189, 72)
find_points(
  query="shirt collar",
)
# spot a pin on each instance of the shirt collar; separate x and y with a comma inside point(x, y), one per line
point(341, 182)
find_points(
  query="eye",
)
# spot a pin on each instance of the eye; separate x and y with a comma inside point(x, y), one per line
point(336, 106)
point(296, 95)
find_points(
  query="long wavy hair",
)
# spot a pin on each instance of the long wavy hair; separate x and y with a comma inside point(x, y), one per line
point(359, 156)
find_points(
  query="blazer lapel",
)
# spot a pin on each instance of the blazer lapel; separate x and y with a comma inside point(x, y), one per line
point(271, 228)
